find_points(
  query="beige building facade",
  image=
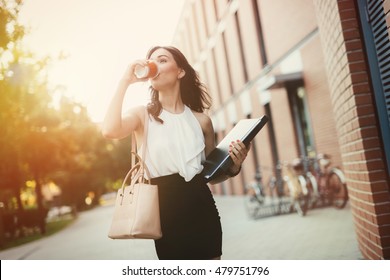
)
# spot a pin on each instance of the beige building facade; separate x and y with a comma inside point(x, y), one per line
point(318, 69)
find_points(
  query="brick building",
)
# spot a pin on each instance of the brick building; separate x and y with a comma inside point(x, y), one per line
point(320, 69)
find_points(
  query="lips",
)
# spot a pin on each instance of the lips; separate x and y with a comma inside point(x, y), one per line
point(156, 77)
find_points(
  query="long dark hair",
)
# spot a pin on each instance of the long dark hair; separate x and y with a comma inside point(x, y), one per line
point(193, 93)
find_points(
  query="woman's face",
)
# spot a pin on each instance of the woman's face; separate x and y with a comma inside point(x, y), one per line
point(169, 72)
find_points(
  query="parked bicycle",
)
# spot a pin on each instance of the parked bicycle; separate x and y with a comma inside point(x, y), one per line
point(260, 199)
point(297, 188)
point(326, 184)
point(282, 194)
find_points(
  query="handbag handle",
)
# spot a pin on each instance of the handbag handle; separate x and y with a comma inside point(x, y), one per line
point(134, 168)
point(143, 168)
point(144, 140)
point(140, 167)
point(133, 180)
point(146, 128)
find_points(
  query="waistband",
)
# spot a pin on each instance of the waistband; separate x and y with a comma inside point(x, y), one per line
point(176, 179)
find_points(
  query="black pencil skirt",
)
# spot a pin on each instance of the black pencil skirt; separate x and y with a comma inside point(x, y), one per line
point(190, 220)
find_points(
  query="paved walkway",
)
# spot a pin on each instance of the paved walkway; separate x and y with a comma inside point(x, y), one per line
point(324, 234)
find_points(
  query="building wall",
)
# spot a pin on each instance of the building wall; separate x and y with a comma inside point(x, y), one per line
point(321, 114)
point(357, 126)
point(251, 48)
point(294, 21)
point(237, 55)
point(226, 50)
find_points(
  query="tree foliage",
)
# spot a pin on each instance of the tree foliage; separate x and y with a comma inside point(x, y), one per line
point(42, 142)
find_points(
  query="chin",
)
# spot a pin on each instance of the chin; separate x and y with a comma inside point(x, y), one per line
point(155, 86)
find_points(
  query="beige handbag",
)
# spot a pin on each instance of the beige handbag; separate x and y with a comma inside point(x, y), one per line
point(137, 212)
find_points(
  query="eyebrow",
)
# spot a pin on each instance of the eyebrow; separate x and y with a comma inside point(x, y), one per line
point(161, 55)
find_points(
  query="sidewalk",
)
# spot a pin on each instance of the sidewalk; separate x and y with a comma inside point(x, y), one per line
point(323, 234)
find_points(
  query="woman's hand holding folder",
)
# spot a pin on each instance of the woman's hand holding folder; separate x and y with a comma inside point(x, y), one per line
point(238, 152)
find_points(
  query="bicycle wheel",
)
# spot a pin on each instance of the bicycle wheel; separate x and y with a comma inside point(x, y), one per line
point(302, 205)
point(252, 201)
point(338, 188)
point(313, 194)
point(297, 192)
point(274, 196)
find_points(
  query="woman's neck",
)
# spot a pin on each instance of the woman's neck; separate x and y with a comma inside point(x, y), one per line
point(171, 101)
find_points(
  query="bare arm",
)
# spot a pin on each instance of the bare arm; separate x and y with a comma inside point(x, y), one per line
point(209, 137)
point(114, 125)
point(208, 131)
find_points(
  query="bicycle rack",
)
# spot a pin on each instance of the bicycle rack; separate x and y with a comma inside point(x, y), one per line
point(272, 207)
point(261, 206)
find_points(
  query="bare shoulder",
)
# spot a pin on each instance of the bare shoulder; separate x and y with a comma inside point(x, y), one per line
point(204, 121)
point(208, 131)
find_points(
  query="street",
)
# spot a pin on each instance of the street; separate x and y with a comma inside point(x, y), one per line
point(324, 234)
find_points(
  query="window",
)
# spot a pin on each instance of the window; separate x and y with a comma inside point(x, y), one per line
point(376, 38)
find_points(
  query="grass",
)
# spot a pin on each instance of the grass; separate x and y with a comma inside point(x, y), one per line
point(51, 228)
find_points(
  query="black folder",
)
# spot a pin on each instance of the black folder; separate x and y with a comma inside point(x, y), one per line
point(218, 161)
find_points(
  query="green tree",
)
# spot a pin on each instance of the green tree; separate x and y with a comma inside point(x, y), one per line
point(43, 142)
point(12, 169)
point(90, 162)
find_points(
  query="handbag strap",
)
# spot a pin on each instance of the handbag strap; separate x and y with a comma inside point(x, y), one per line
point(144, 141)
point(129, 174)
point(143, 169)
point(146, 128)
point(138, 169)
point(133, 149)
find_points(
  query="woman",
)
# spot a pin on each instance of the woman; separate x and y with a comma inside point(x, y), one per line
point(180, 136)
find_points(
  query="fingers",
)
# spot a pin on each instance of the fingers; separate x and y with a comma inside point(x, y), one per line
point(129, 74)
point(238, 152)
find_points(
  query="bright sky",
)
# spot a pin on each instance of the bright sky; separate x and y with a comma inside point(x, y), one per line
point(100, 38)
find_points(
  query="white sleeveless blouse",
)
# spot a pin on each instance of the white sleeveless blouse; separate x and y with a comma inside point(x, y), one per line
point(176, 146)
